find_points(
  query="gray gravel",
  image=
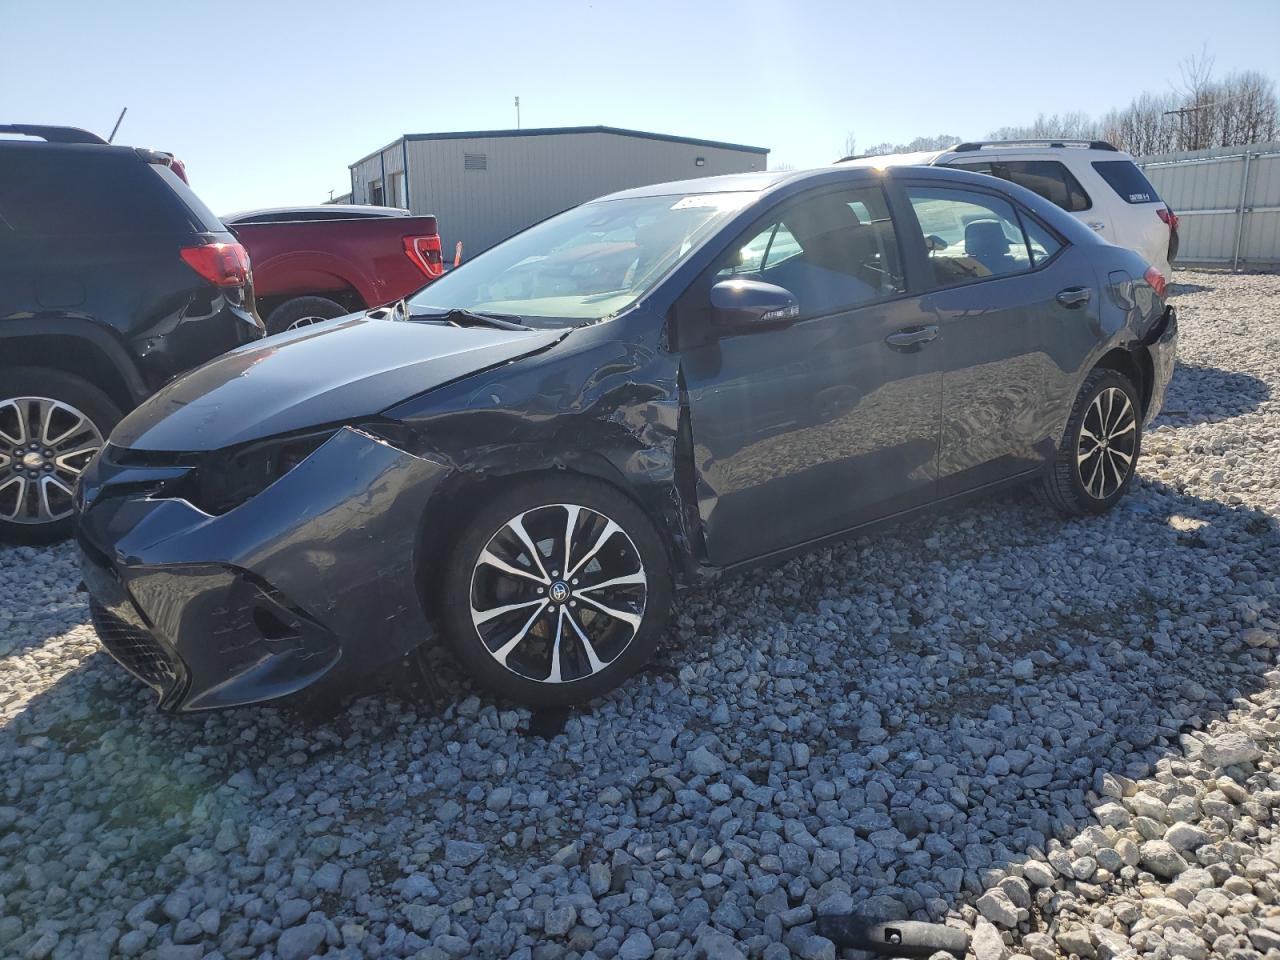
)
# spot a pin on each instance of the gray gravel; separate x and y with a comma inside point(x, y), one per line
point(1064, 736)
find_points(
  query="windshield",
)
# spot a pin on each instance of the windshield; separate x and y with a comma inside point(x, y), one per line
point(585, 264)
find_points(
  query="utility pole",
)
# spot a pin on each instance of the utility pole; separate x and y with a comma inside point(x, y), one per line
point(1183, 111)
point(1180, 113)
point(517, 113)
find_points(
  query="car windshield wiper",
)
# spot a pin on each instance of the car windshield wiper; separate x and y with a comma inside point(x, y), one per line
point(469, 318)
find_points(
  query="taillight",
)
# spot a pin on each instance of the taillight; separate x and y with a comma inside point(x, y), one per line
point(1169, 217)
point(222, 264)
point(1157, 281)
point(426, 255)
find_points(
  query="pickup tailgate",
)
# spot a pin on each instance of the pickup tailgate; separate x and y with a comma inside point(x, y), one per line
point(380, 259)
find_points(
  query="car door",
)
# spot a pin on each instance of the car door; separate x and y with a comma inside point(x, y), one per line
point(830, 419)
point(1018, 311)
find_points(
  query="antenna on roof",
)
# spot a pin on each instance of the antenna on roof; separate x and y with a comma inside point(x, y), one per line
point(517, 113)
point(117, 126)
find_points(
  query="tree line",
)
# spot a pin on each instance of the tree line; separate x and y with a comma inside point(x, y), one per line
point(1202, 112)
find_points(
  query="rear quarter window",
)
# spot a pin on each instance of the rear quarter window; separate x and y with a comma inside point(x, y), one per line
point(59, 192)
point(1129, 183)
point(1049, 178)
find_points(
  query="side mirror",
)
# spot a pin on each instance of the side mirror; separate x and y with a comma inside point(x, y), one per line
point(745, 305)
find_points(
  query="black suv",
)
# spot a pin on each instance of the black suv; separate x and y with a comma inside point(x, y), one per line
point(114, 278)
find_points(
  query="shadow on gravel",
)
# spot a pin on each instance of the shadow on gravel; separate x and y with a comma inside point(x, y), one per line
point(951, 737)
point(1209, 395)
point(1177, 288)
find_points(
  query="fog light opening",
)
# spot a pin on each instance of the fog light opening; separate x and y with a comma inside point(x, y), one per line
point(271, 626)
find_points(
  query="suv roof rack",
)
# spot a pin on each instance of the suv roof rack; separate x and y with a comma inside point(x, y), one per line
point(1034, 141)
point(52, 134)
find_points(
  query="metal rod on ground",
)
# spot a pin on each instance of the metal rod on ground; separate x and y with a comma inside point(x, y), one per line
point(1240, 214)
point(894, 938)
point(117, 126)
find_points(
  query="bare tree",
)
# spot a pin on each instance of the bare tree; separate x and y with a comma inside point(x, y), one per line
point(1069, 126)
point(1248, 110)
point(1239, 109)
point(1195, 114)
point(940, 142)
point(1144, 127)
point(850, 145)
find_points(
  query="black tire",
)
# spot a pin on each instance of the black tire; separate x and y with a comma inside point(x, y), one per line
point(1073, 486)
point(539, 502)
point(65, 388)
point(310, 309)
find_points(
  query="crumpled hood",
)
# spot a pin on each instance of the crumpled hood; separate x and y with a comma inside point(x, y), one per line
point(343, 369)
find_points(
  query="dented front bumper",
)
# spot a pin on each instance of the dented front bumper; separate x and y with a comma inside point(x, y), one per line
point(314, 578)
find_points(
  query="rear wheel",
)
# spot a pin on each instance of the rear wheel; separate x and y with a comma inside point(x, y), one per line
point(51, 425)
point(302, 312)
point(1098, 454)
point(556, 592)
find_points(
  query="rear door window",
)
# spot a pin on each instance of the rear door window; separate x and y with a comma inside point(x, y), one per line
point(1049, 178)
point(59, 192)
point(1040, 240)
point(1129, 183)
point(969, 235)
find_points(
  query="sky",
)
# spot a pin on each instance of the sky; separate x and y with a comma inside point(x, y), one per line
point(268, 102)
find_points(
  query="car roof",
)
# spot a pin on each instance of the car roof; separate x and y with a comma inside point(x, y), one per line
point(771, 181)
point(334, 209)
point(725, 183)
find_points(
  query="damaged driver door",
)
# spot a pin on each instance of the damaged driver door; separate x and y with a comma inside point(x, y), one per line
point(825, 416)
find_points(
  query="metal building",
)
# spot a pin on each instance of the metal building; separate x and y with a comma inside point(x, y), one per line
point(486, 185)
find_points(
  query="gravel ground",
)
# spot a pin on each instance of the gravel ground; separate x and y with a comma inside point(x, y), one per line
point(1064, 736)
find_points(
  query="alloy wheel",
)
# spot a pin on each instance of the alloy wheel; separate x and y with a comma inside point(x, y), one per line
point(45, 445)
point(1107, 443)
point(305, 322)
point(558, 593)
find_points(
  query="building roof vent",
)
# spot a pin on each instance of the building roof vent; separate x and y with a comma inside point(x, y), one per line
point(475, 161)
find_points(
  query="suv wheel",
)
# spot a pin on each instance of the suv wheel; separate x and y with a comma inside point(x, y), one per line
point(1096, 460)
point(556, 592)
point(51, 425)
point(302, 312)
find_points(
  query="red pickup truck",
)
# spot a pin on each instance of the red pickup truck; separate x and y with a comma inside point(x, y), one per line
point(313, 263)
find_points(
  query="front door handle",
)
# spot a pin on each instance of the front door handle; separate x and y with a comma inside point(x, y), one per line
point(1097, 225)
point(909, 338)
point(1073, 297)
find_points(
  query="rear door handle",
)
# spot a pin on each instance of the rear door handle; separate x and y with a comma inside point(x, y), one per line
point(1074, 296)
point(1097, 225)
point(910, 337)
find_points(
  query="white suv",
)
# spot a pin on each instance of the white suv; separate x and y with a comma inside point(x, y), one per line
point(1090, 179)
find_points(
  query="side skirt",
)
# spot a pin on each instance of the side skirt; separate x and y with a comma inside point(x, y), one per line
point(708, 573)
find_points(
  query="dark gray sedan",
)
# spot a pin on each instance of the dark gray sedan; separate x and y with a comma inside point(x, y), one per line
point(526, 458)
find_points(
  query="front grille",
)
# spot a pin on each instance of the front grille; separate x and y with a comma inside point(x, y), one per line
point(137, 650)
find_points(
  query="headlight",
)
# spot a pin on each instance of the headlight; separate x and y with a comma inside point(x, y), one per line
point(227, 478)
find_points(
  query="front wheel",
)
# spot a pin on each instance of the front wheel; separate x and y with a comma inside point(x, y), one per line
point(51, 425)
point(1098, 454)
point(556, 592)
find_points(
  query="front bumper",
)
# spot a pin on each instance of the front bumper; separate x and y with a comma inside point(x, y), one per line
point(313, 578)
point(1162, 344)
